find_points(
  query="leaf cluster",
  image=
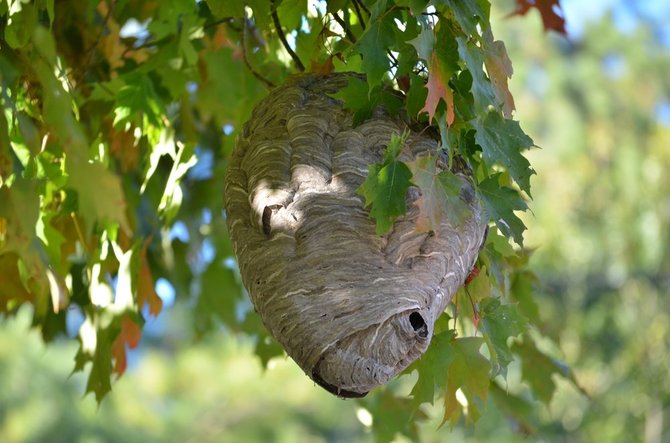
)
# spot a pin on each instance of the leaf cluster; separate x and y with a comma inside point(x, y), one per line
point(117, 120)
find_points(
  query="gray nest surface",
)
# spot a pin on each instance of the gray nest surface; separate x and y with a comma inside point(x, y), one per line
point(352, 308)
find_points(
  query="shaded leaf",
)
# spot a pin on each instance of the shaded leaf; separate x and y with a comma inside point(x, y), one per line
point(146, 290)
point(500, 204)
point(104, 202)
point(385, 187)
point(498, 323)
point(12, 291)
point(392, 416)
point(372, 46)
point(502, 141)
point(482, 91)
point(468, 13)
point(432, 367)
point(537, 369)
point(440, 194)
point(469, 371)
point(521, 290)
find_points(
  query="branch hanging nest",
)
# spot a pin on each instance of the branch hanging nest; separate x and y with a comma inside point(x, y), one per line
point(353, 309)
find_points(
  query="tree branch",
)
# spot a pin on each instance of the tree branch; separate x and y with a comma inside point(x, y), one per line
point(358, 13)
point(264, 80)
point(282, 37)
point(345, 26)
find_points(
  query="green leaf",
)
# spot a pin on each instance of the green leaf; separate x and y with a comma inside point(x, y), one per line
point(19, 213)
point(482, 89)
point(219, 295)
point(290, 13)
point(431, 368)
point(500, 203)
point(373, 44)
point(516, 408)
point(502, 141)
point(20, 25)
point(468, 371)
point(440, 194)
point(385, 187)
point(99, 379)
point(137, 98)
point(355, 98)
point(226, 8)
point(424, 42)
point(537, 369)
point(521, 291)
point(468, 13)
point(498, 323)
point(392, 416)
point(104, 202)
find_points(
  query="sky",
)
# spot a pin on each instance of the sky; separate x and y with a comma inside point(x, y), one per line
point(626, 14)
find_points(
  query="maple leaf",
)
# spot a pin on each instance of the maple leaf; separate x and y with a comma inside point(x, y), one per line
point(129, 336)
point(537, 369)
point(146, 291)
point(499, 67)
point(500, 203)
point(372, 46)
point(430, 368)
point(499, 322)
point(468, 371)
point(550, 10)
point(385, 187)
point(440, 194)
point(438, 88)
point(502, 141)
point(483, 92)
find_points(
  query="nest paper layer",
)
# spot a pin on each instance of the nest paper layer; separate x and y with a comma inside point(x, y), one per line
point(353, 309)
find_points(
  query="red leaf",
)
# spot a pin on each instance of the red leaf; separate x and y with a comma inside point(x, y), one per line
point(129, 335)
point(438, 88)
point(146, 292)
point(549, 10)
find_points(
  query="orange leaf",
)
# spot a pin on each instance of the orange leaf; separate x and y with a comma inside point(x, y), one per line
point(499, 67)
point(438, 88)
point(324, 68)
point(129, 335)
point(146, 292)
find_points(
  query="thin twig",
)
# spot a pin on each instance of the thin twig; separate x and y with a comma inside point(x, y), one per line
point(345, 26)
point(362, 5)
point(393, 57)
point(263, 80)
point(167, 38)
point(282, 37)
point(358, 14)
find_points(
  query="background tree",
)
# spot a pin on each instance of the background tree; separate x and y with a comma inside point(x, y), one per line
point(137, 109)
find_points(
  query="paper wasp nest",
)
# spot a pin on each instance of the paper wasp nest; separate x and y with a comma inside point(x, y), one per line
point(353, 309)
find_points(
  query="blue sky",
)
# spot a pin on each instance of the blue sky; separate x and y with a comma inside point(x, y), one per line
point(627, 15)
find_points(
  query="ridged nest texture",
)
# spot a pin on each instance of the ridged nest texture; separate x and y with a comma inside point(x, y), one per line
point(352, 308)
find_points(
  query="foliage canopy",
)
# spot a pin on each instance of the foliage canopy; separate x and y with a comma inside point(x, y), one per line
point(117, 121)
